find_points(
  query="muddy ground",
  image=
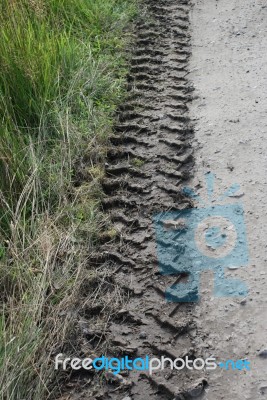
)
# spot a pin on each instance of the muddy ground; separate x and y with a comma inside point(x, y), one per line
point(150, 160)
point(196, 104)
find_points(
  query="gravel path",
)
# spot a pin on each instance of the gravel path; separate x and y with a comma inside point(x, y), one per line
point(229, 73)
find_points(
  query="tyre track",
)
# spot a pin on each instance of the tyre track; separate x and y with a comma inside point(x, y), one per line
point(149, 159)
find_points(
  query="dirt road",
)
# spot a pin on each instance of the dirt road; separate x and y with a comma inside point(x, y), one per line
point(229, 73)
point(150, 161)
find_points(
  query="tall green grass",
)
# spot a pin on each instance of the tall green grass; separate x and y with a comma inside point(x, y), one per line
point(62, 71)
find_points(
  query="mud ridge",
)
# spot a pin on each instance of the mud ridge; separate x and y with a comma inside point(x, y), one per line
point(154, 147)
point(149, 159)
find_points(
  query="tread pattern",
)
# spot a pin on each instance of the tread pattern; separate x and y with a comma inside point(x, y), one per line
point(148, 160)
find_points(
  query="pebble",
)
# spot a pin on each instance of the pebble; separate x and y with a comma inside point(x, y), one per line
point(138, 292)
point(127, 398)
point(263, 388)
point(263, 353)
point(232, 267)
point(143, 335)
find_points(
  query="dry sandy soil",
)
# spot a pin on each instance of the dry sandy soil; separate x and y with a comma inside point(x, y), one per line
point(229, 72)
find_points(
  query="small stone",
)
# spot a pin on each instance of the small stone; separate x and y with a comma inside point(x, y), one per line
point(237, 195)
point(143, 335)
point(263, 353)
point(243, 302)
point(138, 292)
point(131, 350)
point(119, 342)
point(263, 388)
point(127, 398)
point(111, 377)
point(197, 389)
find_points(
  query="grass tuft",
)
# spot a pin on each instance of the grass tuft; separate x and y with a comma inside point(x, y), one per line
point(62, 75)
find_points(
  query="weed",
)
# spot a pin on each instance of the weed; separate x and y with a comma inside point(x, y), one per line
point(137, 162)
point(62, 74)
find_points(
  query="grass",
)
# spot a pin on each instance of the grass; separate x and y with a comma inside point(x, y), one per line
point(137, 162)
point(62, 74)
